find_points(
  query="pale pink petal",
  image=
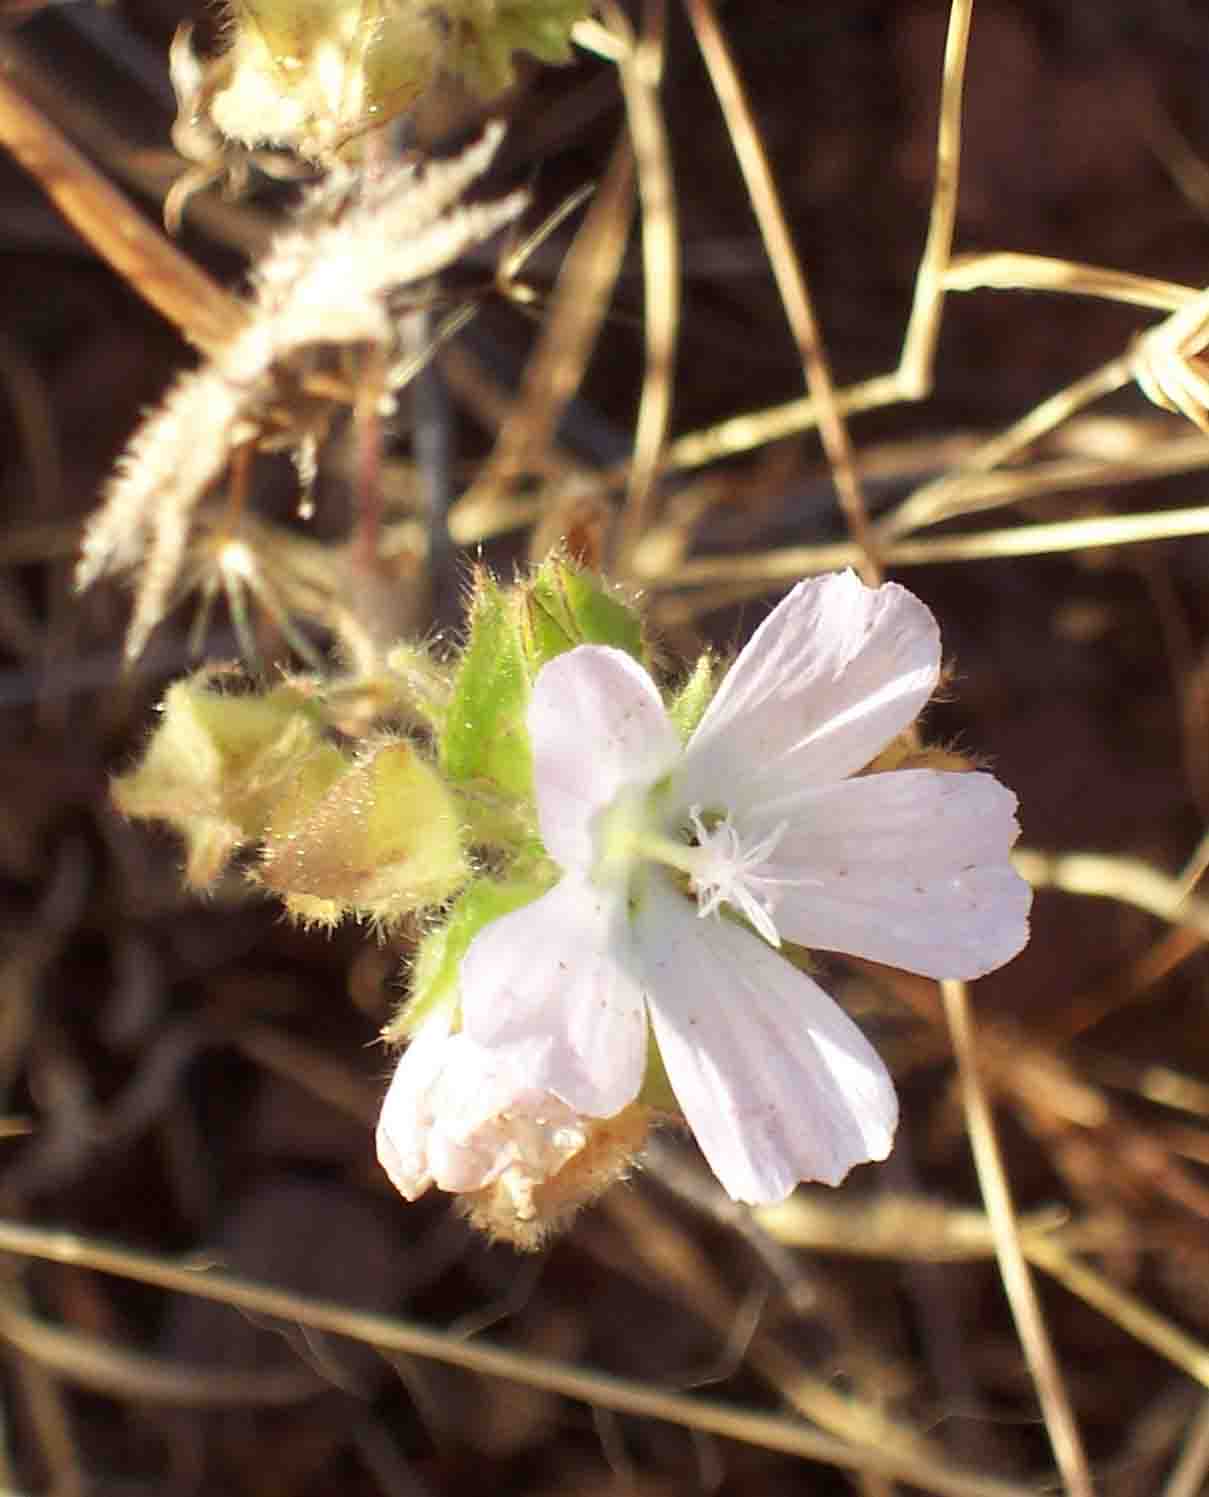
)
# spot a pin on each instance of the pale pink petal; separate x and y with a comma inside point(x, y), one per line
point(777, 1083)
point(561, 969)
point(909, 868)
point(406, 1118)
point(597, 725)
point(460, 1115)
point(491, 1117)
point(827, 680)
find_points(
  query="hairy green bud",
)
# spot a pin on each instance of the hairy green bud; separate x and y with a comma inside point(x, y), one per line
point(381, 840)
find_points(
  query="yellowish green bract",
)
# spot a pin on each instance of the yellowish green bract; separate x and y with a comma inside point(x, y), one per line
point(312, 75)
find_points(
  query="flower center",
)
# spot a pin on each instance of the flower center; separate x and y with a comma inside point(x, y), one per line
point(718, 866)
point(724, 872)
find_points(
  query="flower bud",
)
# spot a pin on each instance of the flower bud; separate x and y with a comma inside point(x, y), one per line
point(215, 765)
point(312, 74)
point(309, 75)
point(526, 1208)
point(381, 841)
point(476, 1121)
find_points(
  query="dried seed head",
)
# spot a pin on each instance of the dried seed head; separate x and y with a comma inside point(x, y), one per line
point(526, 1210)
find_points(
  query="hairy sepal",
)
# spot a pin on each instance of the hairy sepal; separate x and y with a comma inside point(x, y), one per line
point(215, 766)
point(382, 841)
point(438, 958)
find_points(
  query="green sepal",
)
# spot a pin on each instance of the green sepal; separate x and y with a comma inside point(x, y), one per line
point(563, 605)
point(801, 957)
point(434, 972)
point(690, 701)
point(420, 683)
point(484, 35)
point(485, 736)
point(512, 634)
point(656, 1089)
point(501, 822)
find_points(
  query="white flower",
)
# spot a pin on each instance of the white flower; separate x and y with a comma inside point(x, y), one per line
point(757, 812)
point(463, 1116)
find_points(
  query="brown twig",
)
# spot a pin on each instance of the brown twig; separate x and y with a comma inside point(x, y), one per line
point(165, 278)
point(791, 281)
point(640, 64)
point(1013, 1266)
